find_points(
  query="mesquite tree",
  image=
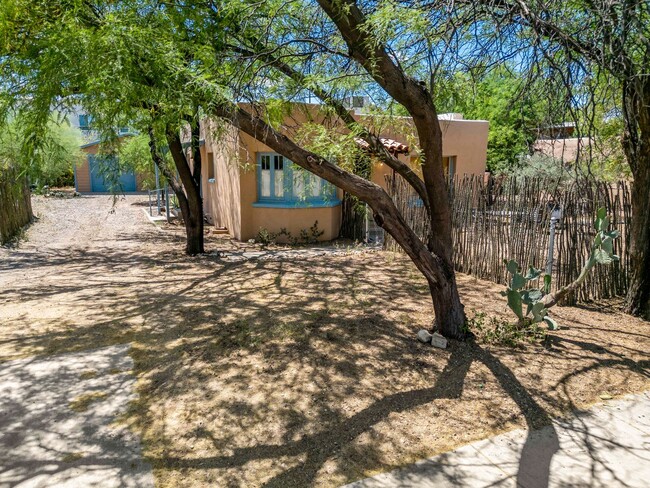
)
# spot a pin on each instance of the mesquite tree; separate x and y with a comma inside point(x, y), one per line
point(589, 46)
point(351, 24)
point(107, 60)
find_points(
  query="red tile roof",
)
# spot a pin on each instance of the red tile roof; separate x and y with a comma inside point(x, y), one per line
point(393, 147)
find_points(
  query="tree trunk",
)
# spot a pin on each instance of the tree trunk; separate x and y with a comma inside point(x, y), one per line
point(638, 295)
point(194, 222)
point(636, 144)
point(410, 93)
point(450, 312)
point(189, 194)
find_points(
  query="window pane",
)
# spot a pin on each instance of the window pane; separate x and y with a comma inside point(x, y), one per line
point(266, 183)
point(315, 184)
point(266, 162)
point(278, 162)
point(279, 183)
point(299, 184)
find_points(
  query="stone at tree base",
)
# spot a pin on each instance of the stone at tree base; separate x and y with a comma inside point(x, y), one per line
point(424, 336)
point(438, 340)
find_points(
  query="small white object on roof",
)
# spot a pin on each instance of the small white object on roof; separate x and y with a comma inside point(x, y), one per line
point(451, 116)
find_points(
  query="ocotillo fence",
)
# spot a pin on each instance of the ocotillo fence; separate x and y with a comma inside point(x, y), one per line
point(15, 203)
point(495, 219)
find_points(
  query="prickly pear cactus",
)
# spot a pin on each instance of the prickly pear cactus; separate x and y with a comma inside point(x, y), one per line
point(538, 301)
point(518, 295)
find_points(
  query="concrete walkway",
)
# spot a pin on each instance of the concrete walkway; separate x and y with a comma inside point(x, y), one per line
point(57, 419)
point(606, 446)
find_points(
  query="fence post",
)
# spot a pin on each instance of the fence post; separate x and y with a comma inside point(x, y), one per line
point(167, 202)
point(555, 218)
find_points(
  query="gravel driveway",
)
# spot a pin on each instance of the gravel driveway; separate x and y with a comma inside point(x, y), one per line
point(86, 223)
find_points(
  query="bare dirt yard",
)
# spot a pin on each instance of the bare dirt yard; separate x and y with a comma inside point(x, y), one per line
point(302, 370)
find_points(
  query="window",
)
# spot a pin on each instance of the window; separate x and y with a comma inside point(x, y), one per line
point(211, 167)
point(449, 163)
point(281, 183)
point(84, 122)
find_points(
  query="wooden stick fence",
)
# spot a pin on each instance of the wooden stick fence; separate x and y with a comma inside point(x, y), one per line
point(15, 203)
point(496, 218)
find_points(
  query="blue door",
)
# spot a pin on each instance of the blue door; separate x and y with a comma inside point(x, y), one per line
point(106, 176)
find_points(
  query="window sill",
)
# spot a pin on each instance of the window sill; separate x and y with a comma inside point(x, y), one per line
point(316, 204)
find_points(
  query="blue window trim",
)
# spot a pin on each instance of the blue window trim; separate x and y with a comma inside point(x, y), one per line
point(299, 204)
point(84, 122)
point(288, 200)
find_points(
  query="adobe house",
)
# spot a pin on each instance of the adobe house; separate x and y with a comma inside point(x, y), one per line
point(246, 186)
point(560, 142)
point(92, 175)
point(100, 174)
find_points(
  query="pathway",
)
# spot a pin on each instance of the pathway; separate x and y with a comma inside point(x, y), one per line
point(606, 446)
point(57, 422)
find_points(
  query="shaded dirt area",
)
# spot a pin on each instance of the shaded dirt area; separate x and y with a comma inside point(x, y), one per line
point(57, 422)
point(300, 372)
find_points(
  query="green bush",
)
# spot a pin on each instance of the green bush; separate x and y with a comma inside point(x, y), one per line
point(48, 160)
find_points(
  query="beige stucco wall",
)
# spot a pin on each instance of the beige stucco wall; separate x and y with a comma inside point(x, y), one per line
point(274, 219)
point(467, 140)
point(464, 139)
point(82, 175)
point(229, 200)
point(222, 198)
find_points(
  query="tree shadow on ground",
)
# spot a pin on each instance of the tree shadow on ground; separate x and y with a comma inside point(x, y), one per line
point(300, 372)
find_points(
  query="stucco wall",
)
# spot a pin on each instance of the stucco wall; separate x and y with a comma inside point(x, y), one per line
point(222, 198)
point(229, 201)
point(82, 171)
point(465, 139)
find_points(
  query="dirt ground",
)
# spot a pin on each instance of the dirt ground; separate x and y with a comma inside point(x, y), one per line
point(290, 372)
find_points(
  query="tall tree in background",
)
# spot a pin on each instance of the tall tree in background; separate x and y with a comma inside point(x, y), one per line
point(499, 96)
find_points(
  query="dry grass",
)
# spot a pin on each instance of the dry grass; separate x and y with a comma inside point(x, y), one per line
point(83, 402)
point(302, 373)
